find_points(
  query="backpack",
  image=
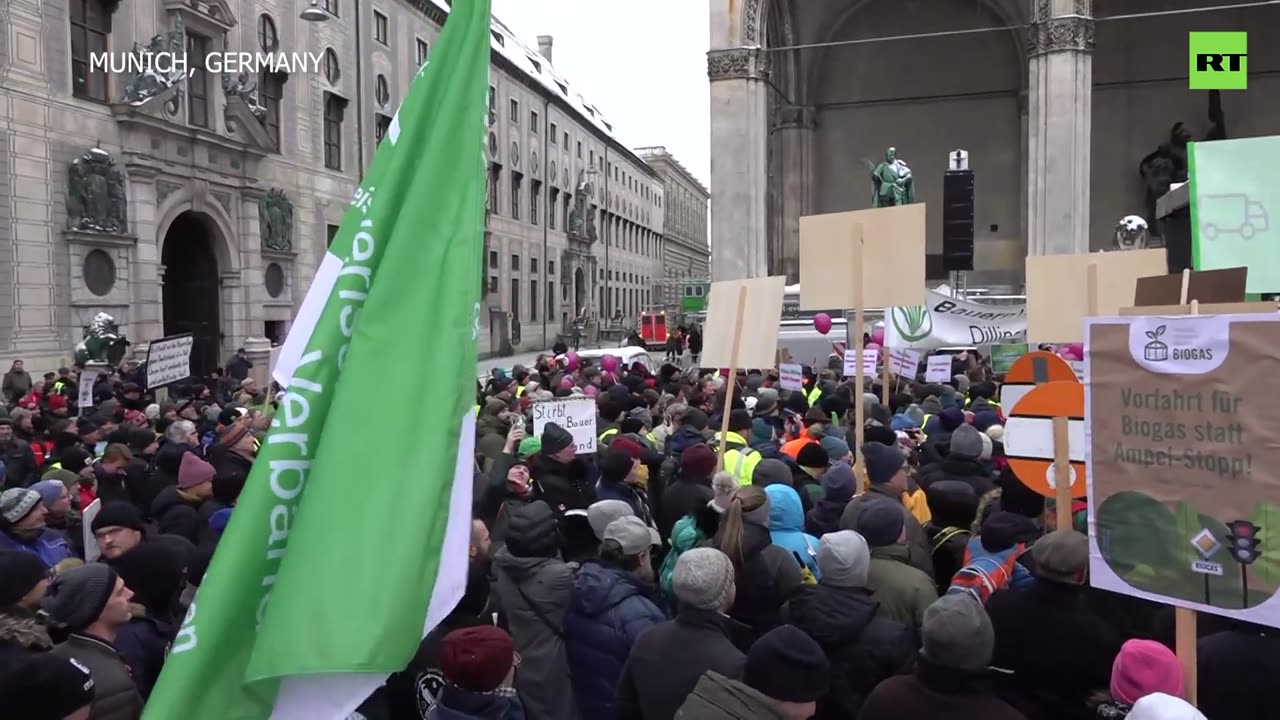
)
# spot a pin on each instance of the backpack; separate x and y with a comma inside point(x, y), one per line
point(946, 534)
point(982, 576)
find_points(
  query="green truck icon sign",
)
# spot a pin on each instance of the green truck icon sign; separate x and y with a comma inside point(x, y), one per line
point(1231, 214)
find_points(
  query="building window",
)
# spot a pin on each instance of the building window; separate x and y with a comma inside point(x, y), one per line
point(268, 38)
point(381, 125)
point(332, 71)
point(382, 90)
point(515, 111)
point(423, 50)
point(495, 175)
point(198, 82)
point(566, 142)
point(553, 132)
point(533, 121)
point(553, 204)
point(493, 259)
point(379, 27)
point(332, 232)
point(515, 300)
point(551, 267)
point(90, 28)
point(272, 86)
point(535, 200)
point(516, 179)
point(493, 105)
point(334, 108)
point(591, 157)
point(533, 300)
point(551, 300)
point(515, 263)
point(579, 149)
point(331, 7)
point(493, 283)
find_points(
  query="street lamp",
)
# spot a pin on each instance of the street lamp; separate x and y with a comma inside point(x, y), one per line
point(313, 13)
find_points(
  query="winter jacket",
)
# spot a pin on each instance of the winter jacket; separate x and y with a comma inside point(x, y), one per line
point(565, 486)
point(716, 697)
point(917, 543)
point(458, 704)
point(683, 497)
point(786, 523)
point(24, 655)
point(19, 464)
point(933, 692)
point(229, 463)
point(902, 590)
point(948, 552)
point(115, 695)
point(837, 490)
point(534, 593)
point(143, 644)
point(1055, 686)
point(1237, 674)
point(864, 649)
point(165, 466)
point(608, 609)
point(667, 660)
point(50, 546)
point(175, 515)
point(684, 535)
point(141, 485)
point(767, 577)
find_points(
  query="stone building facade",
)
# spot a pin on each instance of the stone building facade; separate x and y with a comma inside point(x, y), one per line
point(685, 253)
point(204, 203)
point(1058, 103)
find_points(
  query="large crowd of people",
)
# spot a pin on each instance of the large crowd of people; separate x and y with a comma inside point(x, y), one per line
point(680, 571)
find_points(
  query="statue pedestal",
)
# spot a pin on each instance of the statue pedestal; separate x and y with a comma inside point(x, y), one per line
point(1173, 212)
point(258, 350)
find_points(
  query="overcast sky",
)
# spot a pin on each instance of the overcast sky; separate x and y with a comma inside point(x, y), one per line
point(642, 64)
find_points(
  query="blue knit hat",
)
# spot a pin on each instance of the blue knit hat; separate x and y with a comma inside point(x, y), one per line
point(50, 491)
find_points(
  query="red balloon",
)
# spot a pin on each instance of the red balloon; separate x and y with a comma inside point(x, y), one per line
point(877, 336)
point(609, 363)
point(571, 361)
point(822, 323)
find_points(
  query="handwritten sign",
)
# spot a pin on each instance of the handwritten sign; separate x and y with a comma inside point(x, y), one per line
point(87, 380)
point(869, 359)
point(791, 376)
point(169, 360)
point(577, 415)
point(939, 369)
point(904, 362)
point(91, 551)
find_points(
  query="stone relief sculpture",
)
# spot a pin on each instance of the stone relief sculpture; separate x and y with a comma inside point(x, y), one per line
point(104, 344)
point(245, 87)
point(159, 72)
point(1167, 164)
point(95, 194)
point(275, 221)
point(581, 224)
point(892, 181)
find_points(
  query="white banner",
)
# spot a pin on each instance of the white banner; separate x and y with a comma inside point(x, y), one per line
point(950, 322)
point(869, 359)
point(903, 362)
point(577, 415)
point(87, 379)
point(169, 360)
point(939, 369)
point(791, 376)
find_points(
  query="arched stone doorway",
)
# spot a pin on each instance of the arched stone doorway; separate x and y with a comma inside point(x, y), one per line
point(579, 292)
point(191, 296)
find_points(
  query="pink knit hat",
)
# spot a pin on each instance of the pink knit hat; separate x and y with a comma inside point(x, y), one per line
point(1144, 667)
point(193, 471)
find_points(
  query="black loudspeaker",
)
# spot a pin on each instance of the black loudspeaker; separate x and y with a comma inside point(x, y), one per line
point(957, 220)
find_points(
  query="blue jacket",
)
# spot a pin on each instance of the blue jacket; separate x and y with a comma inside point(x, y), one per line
point(458, 704)
point(51, 546)
point(786, 526)
point(608, 609)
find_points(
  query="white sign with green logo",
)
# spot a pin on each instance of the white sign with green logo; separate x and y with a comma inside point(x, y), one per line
point(1234, 191)
point(950, 322)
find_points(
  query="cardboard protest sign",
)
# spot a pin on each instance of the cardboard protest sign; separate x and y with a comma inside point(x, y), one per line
point(761, 308)
point(830, 270)
point(1184, 478)
point(169, 360)
point(1058, 297)
point(904, 362)
point(577, 415)
point(91, 550)
point(791, 376)
point(87, 380)
point(1234, 201)
point(939, 369)
point(869, 360)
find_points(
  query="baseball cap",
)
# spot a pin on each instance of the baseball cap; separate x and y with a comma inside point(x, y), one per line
point(632, 535)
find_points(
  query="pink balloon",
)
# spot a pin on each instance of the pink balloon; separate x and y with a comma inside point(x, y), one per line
point(609, 363)
point(590, 391)
point(873, 346)
point(566, 383)
point(822, 323)
point(877, 336)
point(571, 361)
point(1076, 349)
point(1069, 356)
point(724, 372)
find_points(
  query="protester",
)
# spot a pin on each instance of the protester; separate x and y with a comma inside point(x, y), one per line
point(1159, 706)
point(953, 505)
point(609, 606)
point(90, 605)
point(17, 457)
point(156, 574)
point(949, 681)
point(784, 675)
point(180, 509)
point(837, 490)
point(567, 480)
point(691, 489)
point(23, 528)
point(904, 592)
point(479, 665)
point(842, 615)
point(667, 659)
point(886, 470)
point(1236, 667)
point(1141, 668)
point(786, 527)
point(118, 529)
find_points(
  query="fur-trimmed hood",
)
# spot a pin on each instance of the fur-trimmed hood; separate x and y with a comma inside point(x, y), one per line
point(21, 627)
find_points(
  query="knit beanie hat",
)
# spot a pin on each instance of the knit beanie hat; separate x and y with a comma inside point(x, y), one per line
point(843, 559)
point(193, 471)
point(615, 463)
point(811, 455)
point(68, 479)
point(529, 447)
point(702, 578)
point(987, 446)
point(603, 512)
point(761, 431)
point(16, 503)
point(786, 664)
point(771, 471)
point(1159, 706)
point(880, 521)
point(951, 418)
point(835, 448)
point(118, 514)
point(838, 483)
point(724, 485)
point(50, 491)
point(77, 597)
point(957, 633)
point(697, 462)
point(739, 421)
point(966, 443)
point(155, 572)
point(20, 572)
point(477, 658)
point(1143, 667)
point(555, 439)
point(882, 462)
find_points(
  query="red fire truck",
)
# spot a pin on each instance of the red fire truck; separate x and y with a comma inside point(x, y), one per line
point(653, 328)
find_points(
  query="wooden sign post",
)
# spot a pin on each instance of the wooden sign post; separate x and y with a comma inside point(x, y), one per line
point(860, 410)
point(730, 384)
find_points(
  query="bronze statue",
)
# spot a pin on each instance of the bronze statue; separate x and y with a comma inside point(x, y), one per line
point(275, 221)
point(892, 181)
point(104, 343)
point(95, 194)
point(158, 76)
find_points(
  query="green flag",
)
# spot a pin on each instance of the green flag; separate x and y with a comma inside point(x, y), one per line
point(350, 539)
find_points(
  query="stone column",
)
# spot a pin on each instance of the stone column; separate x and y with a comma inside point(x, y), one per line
point(739, 136)
point(1060, 102)
point(794, 135)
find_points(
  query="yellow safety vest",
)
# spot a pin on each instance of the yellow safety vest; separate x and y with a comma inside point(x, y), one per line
point(604, 436)
point(740, 463)
point(992, 403)
point(58, 385)
point(653, 440)
point(519, 391)
point(813, 396)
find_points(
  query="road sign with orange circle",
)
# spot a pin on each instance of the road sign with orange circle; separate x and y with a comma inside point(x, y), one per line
point(1035, 368)
point(1028, 435)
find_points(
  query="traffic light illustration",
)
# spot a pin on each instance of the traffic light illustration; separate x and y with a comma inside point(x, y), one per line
point(1243, 541)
